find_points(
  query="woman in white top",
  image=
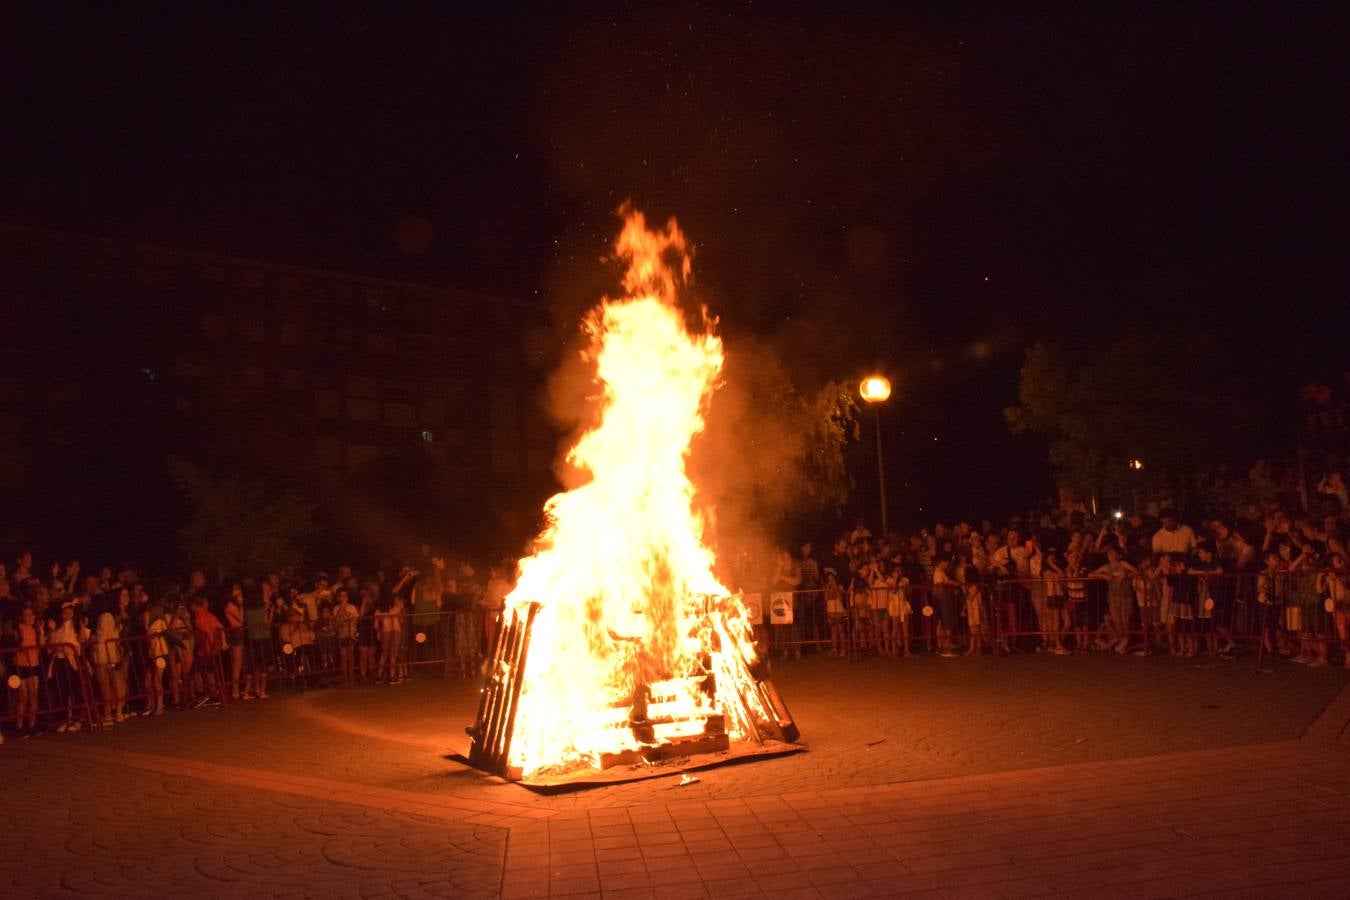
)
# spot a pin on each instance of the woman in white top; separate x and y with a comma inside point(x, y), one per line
point(105, 652)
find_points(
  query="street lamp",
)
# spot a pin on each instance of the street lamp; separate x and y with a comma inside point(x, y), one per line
point(876, 390)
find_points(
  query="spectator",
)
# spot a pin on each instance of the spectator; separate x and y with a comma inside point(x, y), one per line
point(1173, 537)
point(261, 643)
point(345, 618)
point(236, 634)
point(27, 668)
point(157, 623)
point(208, 635)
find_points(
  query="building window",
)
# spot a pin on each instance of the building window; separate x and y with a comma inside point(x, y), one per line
point(327, 404)
point(362, 386)
point(401, 415)
point(359, 455)
point(363, 409)
point(290, 333)
point(433, 411)
point(328, 450)
point(213, 326)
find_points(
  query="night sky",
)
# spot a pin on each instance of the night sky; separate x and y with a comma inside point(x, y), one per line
point(923, 192)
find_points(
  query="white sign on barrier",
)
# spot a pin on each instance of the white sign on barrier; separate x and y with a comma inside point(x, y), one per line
point(754, 608)
point(780, 608)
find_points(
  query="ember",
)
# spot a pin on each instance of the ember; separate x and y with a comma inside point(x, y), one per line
point(619, 645)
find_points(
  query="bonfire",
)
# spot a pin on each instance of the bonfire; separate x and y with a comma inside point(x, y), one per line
point(619, 646)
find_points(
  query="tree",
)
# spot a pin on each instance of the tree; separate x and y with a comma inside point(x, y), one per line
point(1164, 398)
point(239, 524)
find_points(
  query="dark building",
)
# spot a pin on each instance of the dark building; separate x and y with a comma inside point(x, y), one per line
point(404, 410)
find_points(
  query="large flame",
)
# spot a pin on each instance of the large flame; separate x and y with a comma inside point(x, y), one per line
point(623, 574)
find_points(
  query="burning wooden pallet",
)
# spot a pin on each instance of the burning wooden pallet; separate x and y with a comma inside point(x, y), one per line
point(666, 739)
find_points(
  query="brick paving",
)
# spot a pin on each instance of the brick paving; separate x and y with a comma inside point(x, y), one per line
point(1154, 780)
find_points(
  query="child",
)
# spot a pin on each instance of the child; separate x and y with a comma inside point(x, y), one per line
point(258, 634)
point(345, 615)
point(879, 599)
point(158, 650)
point(1057, 618)
point(1184, 589)
point(1335, 586)
point(897, 636)
point(946, 594)
point(208, 635)
point(64, 663)
point(969, 576)
point(1119, 597)
point(1272, 590)
point(1205, 569)
point(1076, 597)
point(235, 633)
point(179, 636)
point(835, 612)
point(27, 666)
point(1305, 594)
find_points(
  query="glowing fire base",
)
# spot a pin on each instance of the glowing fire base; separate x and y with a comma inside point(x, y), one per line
point(659, 743)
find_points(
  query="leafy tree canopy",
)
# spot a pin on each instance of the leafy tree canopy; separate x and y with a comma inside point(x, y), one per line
point(1165, 398)
point(239, 525)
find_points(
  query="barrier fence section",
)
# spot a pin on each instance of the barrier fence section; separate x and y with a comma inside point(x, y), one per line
point(1262, 613)
point(68, 686)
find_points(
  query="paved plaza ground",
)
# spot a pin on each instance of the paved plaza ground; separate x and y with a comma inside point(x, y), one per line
point(1023, 776)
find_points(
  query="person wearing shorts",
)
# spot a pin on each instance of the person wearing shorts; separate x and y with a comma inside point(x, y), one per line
point(28, 667)
point(878, 600)
point(1119, 596)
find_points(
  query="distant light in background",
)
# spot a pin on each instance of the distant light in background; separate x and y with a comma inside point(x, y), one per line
point(875, 389)
point(428, 436)
point(1136, 464)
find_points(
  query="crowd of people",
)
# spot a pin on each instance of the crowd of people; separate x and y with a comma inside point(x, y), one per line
point(1258, 565)
point(79, 648)
point(1268, 576)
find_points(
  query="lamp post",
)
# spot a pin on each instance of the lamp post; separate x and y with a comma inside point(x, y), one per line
point(876, 390)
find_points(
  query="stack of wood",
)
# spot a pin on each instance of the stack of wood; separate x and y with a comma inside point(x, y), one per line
point(660, 732)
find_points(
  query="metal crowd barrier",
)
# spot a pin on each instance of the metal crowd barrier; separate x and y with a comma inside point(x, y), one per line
point(1079, 613)
point(1254, 612)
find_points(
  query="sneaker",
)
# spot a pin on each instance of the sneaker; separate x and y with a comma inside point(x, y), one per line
point(1301, 659)
point(76, 726)
point(1227, 654)
point(159, 711)
point(1063, 651)
point(1264, 670)
point(1317, 664)
point(65, 726)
